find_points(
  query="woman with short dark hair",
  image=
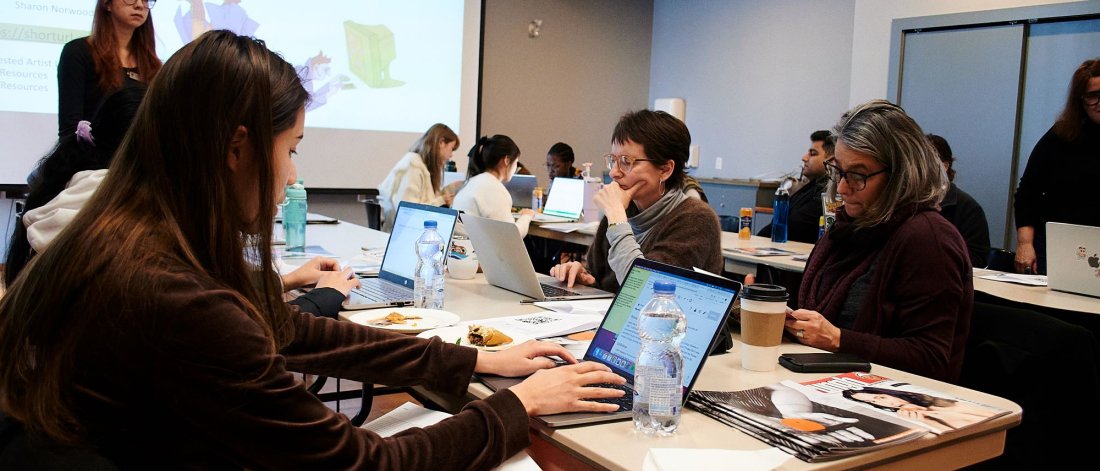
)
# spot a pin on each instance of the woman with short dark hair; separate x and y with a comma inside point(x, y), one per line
point(646, 213)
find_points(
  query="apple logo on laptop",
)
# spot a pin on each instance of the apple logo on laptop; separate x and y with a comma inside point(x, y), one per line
point(1094, 261)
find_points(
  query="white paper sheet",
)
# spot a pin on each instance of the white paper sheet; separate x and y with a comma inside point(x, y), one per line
point(578, 306)
point(410, 415)
point(706, 459)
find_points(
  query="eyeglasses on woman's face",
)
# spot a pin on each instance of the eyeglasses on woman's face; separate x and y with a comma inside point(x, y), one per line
point(148, 3)
point(856, 181)
point(1091, 98)
point(624, 162)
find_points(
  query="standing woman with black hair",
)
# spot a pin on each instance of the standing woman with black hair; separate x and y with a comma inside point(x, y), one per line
point(493, 161)
point(121, 51)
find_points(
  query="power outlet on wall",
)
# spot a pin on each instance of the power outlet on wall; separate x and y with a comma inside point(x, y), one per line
point(718, 163)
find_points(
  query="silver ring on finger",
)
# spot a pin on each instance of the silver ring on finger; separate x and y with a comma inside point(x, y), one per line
point(800, 333)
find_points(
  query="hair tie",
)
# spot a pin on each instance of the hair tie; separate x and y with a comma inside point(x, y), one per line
point(84, 133)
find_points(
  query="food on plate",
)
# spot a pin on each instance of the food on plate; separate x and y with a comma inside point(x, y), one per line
point(484, 336)
point(392, 318)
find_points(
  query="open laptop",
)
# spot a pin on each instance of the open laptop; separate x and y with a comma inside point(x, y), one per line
point(521, 187)
point(394, 284)
point(706, 301)
point(506, 264)
point(565, 201)
point(1073, 258)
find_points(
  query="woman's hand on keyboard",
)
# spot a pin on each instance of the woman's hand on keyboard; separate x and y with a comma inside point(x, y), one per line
point(522, 360)
point(572, 272)
point(343, 281)
point(309, 273)
point(565, 389)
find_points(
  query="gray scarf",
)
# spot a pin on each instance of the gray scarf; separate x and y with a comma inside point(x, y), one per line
point(642, 222)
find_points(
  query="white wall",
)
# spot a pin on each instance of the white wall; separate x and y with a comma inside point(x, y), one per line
point(588, 66)
point(871, 35)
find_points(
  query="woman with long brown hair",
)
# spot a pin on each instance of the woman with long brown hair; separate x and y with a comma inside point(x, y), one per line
point(418, 176)
point(121, 50)
point(153, 329)
point(1059, 182)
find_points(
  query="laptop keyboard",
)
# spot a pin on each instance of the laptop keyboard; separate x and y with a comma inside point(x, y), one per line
point(555, 292)
point(381, 291)
point(626, 402)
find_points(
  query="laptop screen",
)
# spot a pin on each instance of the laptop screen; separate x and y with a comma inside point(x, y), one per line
point(400, 258)
point(566, 198)
point(704, 299)
point(520, 188)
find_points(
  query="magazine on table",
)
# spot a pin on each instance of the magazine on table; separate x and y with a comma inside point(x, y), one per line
point(934, 410)
point(789, 416)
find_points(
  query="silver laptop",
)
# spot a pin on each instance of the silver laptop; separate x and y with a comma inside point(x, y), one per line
point(706, 301)
point(506, 264)
point(1073, 258)
point(394, 284)
point(521, 187)
point(565, 201)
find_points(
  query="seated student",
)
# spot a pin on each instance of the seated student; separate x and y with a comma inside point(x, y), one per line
point(805, 203)
point(154, 333)
point(891, 280)
point(493, 161)
point(559, 162)
point(418, 176)
point(646, 214)
point(961, 210)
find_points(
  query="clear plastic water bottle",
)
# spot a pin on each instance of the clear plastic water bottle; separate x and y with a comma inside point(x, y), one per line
point(659, 371)
point(780, 215)
point(294, 217)
point(428, 279)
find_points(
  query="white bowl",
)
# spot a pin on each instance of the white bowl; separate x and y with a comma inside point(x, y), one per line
point(462, 269)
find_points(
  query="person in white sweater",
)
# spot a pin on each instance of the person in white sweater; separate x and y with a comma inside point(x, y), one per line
point(418, 176)
point(493, 161)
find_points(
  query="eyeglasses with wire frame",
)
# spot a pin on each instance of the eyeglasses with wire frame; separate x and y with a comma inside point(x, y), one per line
point(856, 181)
point(625, 162)
point(148, 3)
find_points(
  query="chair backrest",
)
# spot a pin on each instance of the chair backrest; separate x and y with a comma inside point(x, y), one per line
point(374, 214)
point(1001, 260)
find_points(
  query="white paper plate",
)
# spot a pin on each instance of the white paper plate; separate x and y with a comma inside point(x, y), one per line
point(429, 319)
point(453, 333)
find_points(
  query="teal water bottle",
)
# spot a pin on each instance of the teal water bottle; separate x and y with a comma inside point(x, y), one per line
point(294, 217)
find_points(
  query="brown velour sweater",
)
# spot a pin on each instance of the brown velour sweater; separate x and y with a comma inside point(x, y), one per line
point(688, 237)
point(178, 377)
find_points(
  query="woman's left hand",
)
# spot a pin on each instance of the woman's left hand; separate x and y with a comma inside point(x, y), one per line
point(612, 199)
point(811, 328)
point(521, 360)
point(309, 273)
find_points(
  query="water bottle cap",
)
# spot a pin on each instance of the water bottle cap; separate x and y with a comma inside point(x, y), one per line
point(664, 287)
point(296, 191)
point(430, 224)
point(764, 293)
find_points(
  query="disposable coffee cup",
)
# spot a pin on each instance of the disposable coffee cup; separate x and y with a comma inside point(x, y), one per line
point(763, 311)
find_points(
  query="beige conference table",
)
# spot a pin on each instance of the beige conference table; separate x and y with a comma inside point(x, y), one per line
point(615, 446)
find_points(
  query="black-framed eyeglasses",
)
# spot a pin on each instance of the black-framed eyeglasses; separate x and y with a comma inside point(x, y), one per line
point(856, 181)
point(625, 162)
point(1091, 98)
point(148, 3)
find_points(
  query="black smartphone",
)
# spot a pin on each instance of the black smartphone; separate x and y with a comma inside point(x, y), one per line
point(823, 362)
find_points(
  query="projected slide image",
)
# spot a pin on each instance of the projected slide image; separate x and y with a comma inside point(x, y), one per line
point(368, 65)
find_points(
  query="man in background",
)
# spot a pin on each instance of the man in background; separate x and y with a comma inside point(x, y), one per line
point(805, 206)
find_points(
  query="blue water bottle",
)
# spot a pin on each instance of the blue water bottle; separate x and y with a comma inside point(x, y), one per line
point(428, 278)
point(294, 217)
point(659, 371)
point(780, 215)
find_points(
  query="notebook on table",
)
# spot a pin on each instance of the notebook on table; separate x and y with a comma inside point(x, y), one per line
point(506, 264)
point(394, 284)
point(1073, 258)
point(521, 187)
point(565, 201)
point(706, 301)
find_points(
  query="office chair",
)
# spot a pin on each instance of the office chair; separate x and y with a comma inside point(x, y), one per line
point(366, 396)
point(1001, 260)
point(1050, 367)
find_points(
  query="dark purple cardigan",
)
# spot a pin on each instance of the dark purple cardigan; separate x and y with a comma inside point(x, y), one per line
point(916, 313)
